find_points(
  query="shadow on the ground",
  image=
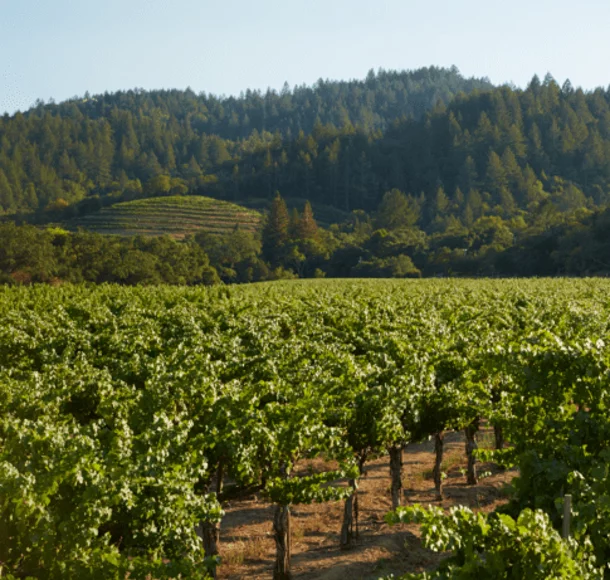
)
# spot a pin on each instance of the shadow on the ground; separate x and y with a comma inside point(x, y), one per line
point(393, 551)
point(246, 516)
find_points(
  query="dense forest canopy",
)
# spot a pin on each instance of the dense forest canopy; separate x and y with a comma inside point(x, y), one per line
point(438, 174)
point(372, 103)
point(140, 143)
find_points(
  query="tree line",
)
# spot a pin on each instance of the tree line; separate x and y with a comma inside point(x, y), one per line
point(387, 244)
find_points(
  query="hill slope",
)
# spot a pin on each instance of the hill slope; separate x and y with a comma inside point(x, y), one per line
point(176, 216)
point(524, 159)
point(506, 152)
point(55, 156)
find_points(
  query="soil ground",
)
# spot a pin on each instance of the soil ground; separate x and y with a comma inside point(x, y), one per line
point(246, 541)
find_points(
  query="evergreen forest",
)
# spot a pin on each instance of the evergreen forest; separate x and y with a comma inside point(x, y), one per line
point(432, 173)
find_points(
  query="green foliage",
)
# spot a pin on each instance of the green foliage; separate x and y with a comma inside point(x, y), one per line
point(276, 231)
point(532, 164)
point(178, 216)
point(497, 546)
point(28, 255)
point(400, 266)
point(397, 210)
point(307, 489)
point(307, 229)
point(119, 405)
point(177, 141)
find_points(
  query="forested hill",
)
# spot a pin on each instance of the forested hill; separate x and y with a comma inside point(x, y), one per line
point(532, 158)
point(370, 104)
point(501, 152)
point(137, 143)
point(496, 181)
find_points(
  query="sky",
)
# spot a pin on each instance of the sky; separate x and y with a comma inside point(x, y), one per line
point(62, 48)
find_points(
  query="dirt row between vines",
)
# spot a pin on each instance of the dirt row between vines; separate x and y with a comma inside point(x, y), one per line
point(246, 540)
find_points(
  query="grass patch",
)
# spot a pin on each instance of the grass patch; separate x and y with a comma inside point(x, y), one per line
point(236, 553)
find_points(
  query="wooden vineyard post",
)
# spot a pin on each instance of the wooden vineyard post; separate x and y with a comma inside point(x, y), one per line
point(438, 458)
point(499, 436)
point(219, 478)
point(209, 531)
point(281, 533)
point(350, 516)
point(471, 447)
point(396, 472)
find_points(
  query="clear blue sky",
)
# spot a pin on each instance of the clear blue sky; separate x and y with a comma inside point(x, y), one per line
point(62, 48)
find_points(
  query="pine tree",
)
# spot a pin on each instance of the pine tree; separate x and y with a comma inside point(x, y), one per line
point(468, 216)
point(293, 227)
point(496, 180)
point(455, 131)
point(441, 203)
point(513, 171)
point(29, 197)
point(468, 178)
point(332, 153)
point(474, 203)
point(307, 227)
point(276, 230)
point(533, 189)
point(67, 167)
point(507, 202)
point(218, 151)
point(7, 201)
point(193, 170)
point(170, 161)
point(458, 198)
point(485, 131)
point(397, 210)
point(516, 141)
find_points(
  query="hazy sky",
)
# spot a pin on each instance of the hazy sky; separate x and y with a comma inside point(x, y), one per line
point(62, 48)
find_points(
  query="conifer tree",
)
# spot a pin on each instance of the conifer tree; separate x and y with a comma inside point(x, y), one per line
point(468, 178)
point(276, 230)
point(397, 210)
point(468, 216)
point(513, 172)
point(474, 203)
point(441, 203)
point(193, 170)
point(516, 141)
point(30, 197)
point(496, 181)
point(307, 228)
point(7, 200)
point(458, 198)
point(293, 226)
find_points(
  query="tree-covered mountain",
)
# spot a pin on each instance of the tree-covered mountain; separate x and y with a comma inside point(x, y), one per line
point(138, 143)
point(497, 151)
point(492, 181)
point(502, 152)
point(371, 104)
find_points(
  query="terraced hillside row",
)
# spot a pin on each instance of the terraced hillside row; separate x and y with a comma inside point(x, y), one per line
point(176, 216)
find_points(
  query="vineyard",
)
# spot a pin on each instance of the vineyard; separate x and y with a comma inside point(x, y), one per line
point(176, 216)
point(131, 420)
